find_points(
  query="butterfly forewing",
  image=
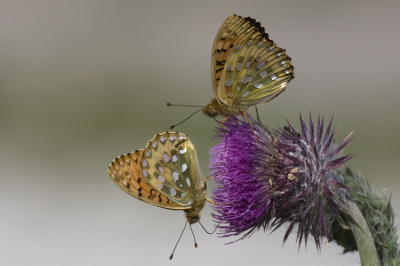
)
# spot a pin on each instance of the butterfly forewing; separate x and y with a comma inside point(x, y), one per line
point(255, 72)
point(125, 173)
point(169, 163)
point(234, 29)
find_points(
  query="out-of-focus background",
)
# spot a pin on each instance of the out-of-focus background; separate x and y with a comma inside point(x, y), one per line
point(82, 82)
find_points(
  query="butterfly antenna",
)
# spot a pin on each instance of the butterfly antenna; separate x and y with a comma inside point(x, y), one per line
point(184, 105)
point(212, 231)
point(172, 255)
point(195, 243)
point(171, 127)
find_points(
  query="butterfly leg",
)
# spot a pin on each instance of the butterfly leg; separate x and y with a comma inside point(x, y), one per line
point(258, 118)
point(210, 201)
point(215, 203)
point(222, 123)
point(248, 121)
point(208, 179)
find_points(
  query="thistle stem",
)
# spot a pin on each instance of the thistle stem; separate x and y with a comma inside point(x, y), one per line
point(362, 235)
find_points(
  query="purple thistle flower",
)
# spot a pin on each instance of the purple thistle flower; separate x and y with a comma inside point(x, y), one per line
point(279, 177)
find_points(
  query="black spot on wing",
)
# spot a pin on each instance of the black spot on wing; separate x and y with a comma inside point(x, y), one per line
point(220, 63)
point(153, 193)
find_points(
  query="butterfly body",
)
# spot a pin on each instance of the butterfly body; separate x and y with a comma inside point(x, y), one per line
point(214, 108)
point(164, 174)
point(193, 214)
point(247, 67)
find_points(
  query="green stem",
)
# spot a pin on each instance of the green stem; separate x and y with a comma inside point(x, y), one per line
point(362, 235)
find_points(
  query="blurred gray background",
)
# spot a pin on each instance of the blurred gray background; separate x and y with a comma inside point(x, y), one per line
point(82, 82)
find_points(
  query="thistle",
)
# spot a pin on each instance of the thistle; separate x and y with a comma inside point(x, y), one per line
point(379, 216)
point(267, 179)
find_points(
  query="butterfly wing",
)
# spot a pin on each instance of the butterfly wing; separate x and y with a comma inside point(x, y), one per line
point(234, 29)
point(125, 173)
point(255, 72)
point(169, 163)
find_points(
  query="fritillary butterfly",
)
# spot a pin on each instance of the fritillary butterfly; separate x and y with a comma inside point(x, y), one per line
point(165, 174)
point(247, 67)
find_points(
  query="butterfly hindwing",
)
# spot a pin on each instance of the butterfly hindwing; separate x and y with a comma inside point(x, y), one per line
point(234, 29)
point(125, 173)
point(255, 72)
point(169, 163)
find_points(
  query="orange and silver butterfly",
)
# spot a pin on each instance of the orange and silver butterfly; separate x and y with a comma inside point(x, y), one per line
point(247, 67)
point(165, 174)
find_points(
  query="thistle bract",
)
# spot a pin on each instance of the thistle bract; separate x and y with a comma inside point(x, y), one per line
point(266, 179)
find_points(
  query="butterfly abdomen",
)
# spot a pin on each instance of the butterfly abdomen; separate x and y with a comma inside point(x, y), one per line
point(193, 214)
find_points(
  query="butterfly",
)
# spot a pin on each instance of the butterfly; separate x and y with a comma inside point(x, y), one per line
point(247, 67)
point(165, 174)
